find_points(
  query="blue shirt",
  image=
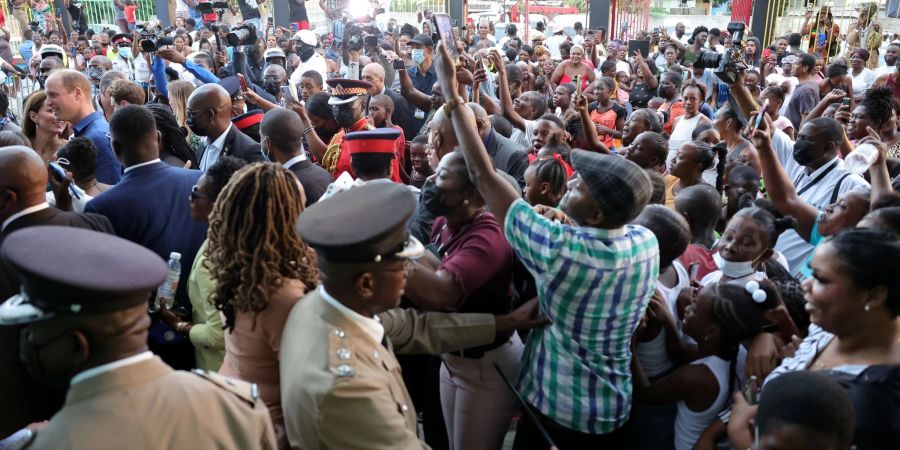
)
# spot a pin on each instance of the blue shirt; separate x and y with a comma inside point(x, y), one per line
point(423, 82)
point(25, 49)
point(95, 128)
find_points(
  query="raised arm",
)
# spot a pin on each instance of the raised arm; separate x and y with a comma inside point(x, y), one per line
point(649, 77)
point(590, 131)
point(411, 94)
point(878, 172)
point(834, 96)
point(506, 102)
point(779, 187)
point(498, 194)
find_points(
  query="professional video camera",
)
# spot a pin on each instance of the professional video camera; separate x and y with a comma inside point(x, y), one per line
point(359, 35)
point(243, 34)
point(728, 65)
point(152, 37)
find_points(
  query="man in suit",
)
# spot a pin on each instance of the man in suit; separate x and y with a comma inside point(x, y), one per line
point(22, 205)
point(282, 132)
point(87, 330)
point(401, 116)
point(209, 115)
point(508, 156)
point(150, 207)
point(69, 95)
point(341, 383)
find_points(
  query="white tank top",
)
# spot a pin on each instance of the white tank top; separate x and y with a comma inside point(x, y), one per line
point(681, 134)
point(652, 354)
point(689, 425)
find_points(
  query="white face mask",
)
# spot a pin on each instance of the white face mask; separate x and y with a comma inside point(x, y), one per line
point(733, 269)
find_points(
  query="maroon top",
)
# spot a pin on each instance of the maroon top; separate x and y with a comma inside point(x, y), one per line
point(481, 260)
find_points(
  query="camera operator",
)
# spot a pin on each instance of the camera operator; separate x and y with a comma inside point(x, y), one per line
point(249, 54)
point(305, 43)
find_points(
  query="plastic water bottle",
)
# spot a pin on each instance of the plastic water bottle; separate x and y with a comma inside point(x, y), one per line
point(166, 292)
point(860, 159)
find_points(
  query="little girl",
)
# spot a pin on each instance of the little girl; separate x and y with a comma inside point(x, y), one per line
point(721, 317)
point(746, 244)
point(545, 180)
point(625, 86)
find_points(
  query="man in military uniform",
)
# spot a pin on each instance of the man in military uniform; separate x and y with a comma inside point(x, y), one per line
point(84, 297)
point(341, 385)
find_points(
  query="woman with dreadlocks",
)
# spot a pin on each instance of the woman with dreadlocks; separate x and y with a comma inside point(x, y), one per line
point(261, 268)
point(721, 317)
point(866, 34)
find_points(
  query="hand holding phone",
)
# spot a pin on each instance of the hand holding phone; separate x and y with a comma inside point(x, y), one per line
point(243, 82)
point(759, 117)
point(286, 95)
point(445, 31)
point(694, 271)
point(399, 64)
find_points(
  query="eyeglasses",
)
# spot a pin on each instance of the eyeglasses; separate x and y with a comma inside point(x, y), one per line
point(196, 194)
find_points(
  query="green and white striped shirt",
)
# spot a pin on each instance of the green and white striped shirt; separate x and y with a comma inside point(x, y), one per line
point(594, 285)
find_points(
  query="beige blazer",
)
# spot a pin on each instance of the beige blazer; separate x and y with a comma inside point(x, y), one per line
point(342, 390)
point(148, 405)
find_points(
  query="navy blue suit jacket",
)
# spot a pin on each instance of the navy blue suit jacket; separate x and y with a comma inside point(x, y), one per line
point(150, 207)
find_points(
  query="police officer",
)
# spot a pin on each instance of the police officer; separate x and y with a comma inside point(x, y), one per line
point(84, 297)
point(340, 381)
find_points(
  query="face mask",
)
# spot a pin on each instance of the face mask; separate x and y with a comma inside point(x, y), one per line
point(345, 115)
point(803, 150)
point(418, 55)
point(95, 73)
point(272, 87)
point(191, 122)
point(30, 354)
point(733, 269)
point(125, 52)
point(432, 199)
point(305, 52)
point(41, 80)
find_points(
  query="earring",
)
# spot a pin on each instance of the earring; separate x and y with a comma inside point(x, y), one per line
point(465, 202)
point(867, 308)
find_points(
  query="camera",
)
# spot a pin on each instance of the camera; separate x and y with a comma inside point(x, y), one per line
point(359, 36)
point(244, 34)
point(152, 38)
point(34, 26)
point(209, 7)
point(728, 65)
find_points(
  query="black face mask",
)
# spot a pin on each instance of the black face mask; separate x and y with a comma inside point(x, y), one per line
point(803, 152)
point(305, 52)
point(438, 205)
point(272, 87)
point(191, 122)
point(345, 115)
point(431, 199)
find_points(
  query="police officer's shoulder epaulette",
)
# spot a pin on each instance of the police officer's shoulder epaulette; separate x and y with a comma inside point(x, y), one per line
point(246, 391)
point(340, 357)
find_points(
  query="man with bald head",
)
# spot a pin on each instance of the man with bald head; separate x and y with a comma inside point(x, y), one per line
point(23, 204)
point(69, 96)
point(508, 156)
point(401, 115)
point(209, 115)
point(97, 66)
point(274, 77)
point(281, 133)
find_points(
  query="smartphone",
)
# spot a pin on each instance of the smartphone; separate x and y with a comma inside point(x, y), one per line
point(294, 27)
point(845, 101)
point(286, 95)
point(694, 271)
point(639, 46)
point(766, 53)
point(750, 392)
point(60, 176)
point(759, 117)
point(399, 64)
point(578, 85)
point(243, 81)
point(445, 30)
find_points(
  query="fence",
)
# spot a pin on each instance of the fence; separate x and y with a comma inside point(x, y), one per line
point(789, 16)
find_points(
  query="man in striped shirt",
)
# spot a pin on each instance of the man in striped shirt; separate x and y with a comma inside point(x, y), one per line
point(595, 275)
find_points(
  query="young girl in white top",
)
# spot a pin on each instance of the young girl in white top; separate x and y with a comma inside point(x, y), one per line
point(720, 318)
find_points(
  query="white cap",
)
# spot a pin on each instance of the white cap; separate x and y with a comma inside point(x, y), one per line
point(49, 49)
point(273, 53)
point(307, 37)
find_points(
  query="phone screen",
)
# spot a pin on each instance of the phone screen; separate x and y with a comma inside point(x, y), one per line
point(695, 270)
point(286, 95)
point(243, 82)
point(578, 84)
point(445, 30)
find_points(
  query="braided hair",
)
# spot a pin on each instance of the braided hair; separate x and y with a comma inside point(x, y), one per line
point(253, 245)
point(552, 170)
point(173, 136)
point(880, 103)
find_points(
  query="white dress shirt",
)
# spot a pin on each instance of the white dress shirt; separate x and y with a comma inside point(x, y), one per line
point(24, 212)
point(213, 150)
point(130, 168)
point(371, 325)
point(299, 158)
point(109, 367)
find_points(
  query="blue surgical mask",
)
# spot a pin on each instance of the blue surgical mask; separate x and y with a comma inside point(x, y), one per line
point(125, 52)
point(418, 55)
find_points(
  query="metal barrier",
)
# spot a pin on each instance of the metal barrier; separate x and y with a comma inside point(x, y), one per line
point(18, 90)
point(789, 16)
point(100, 13)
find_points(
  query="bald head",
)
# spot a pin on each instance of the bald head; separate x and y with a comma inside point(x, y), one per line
point(24, 178)
point(101, 62)
point(275, 71)
point(482, 120)
point(282, 132)
point(374, 73)
point(210, 105)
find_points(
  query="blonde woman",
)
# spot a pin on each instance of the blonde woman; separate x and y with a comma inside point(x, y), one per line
point(179, 91)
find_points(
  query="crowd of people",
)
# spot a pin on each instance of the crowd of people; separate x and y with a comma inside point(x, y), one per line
point(391, 240)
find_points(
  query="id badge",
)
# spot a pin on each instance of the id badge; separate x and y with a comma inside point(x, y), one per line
point(419, 114)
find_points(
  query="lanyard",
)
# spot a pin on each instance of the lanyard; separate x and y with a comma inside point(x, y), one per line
point(815, 180)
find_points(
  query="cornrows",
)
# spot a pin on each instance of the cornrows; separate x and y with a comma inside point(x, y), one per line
point(253, 244)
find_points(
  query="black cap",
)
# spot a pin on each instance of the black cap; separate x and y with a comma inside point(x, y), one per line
point(423, 39)
point(362, 225)
point(73, 271)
